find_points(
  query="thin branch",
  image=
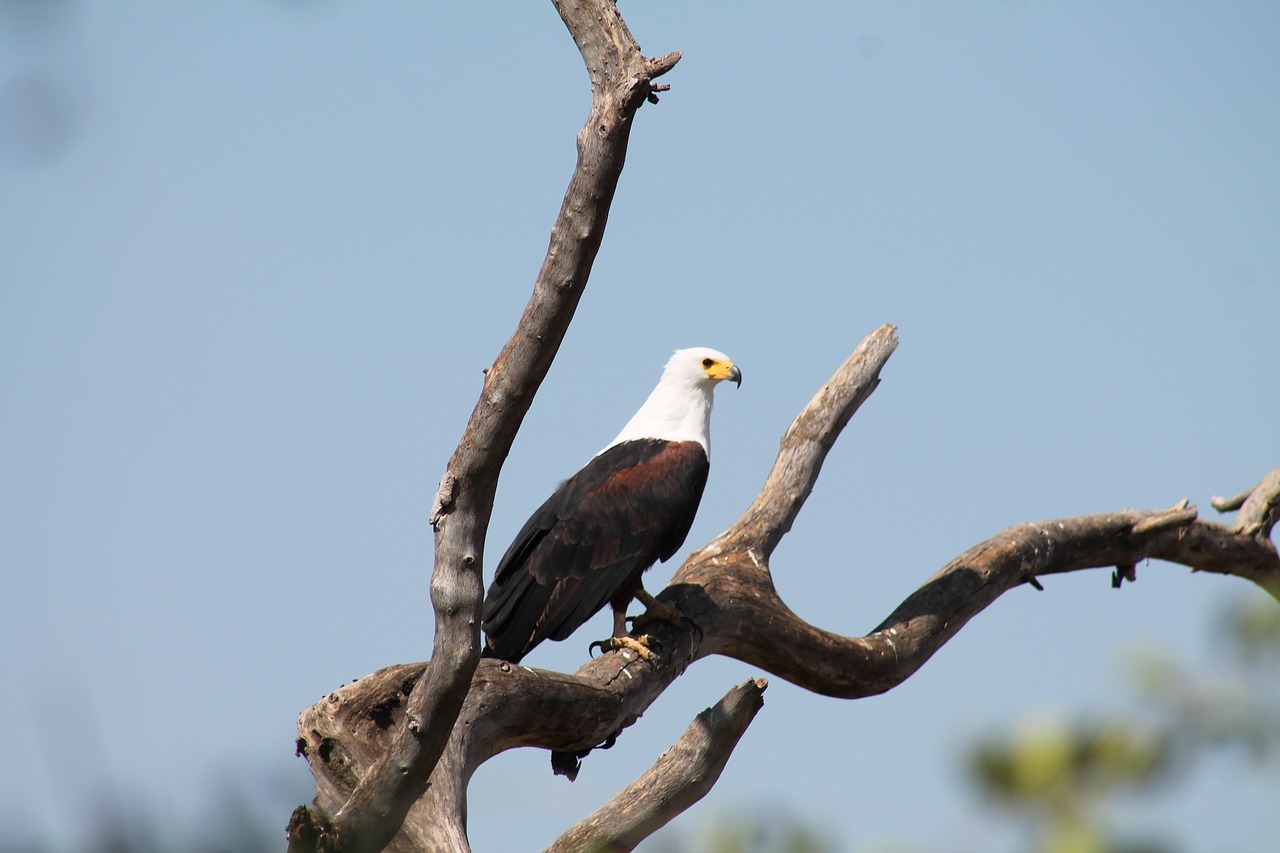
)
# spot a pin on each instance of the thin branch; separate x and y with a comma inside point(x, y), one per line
point(1231, 504)
point(620, 81)
point(679, 778)
point(1259, 507)
point(1181, 515)
point(804, 448)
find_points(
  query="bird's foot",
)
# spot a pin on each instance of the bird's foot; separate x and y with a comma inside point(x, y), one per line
point(661, 611)
point(639, 645)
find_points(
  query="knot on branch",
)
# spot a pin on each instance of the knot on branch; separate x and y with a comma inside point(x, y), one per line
point(443, 502)
point(656, 67)
point(639, 87)
point(1259, 507)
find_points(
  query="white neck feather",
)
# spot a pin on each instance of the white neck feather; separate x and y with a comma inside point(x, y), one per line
point(679, 409)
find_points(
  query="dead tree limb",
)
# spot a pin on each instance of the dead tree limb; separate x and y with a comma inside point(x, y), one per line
point(727, 591)
point(804, 448)
point(679, 778)
point(757, 627)
point(1259, 507)
point(393, 753)
point(367, 817)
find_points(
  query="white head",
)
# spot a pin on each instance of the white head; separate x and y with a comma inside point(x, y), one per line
point(679, 409)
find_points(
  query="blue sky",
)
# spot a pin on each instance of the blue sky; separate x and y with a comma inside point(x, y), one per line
point(254, 256)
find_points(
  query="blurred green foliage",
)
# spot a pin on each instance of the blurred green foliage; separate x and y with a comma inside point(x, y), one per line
point(240, 818)
point(1058, 777)
point(770, 830)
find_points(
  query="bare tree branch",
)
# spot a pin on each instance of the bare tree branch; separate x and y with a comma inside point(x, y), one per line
point(679, 778)
point(804, 448)
point(512, 706)
point(754, 625)
point(1259, 507)
point(393, 753)
point(727, 591)
point(621, 80)
point(519, 706)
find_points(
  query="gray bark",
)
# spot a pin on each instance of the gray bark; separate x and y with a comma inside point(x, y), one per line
point(368, 816)
point(727, 592)
point(393, 753)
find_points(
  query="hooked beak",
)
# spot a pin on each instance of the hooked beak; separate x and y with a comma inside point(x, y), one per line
point(720, 369)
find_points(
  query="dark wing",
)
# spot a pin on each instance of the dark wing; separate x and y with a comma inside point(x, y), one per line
point(626, 509)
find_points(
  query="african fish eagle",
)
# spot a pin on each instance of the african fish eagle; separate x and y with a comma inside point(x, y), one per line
point(630, 506)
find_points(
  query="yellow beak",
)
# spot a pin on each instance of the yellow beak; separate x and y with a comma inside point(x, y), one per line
point(725, 370)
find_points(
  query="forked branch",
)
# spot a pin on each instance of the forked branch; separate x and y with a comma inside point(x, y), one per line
point(679, 778)
point(375, 745)
point(727, 591)
point(368, 816)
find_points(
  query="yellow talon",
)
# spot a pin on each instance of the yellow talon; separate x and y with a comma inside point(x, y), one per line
point(639, 645)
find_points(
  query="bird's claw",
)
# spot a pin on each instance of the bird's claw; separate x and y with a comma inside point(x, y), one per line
point(639, 645)
point(662, 611)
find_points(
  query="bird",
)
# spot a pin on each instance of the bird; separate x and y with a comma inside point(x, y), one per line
point(631, 505)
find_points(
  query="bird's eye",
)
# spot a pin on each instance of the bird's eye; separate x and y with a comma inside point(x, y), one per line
point(707, 362)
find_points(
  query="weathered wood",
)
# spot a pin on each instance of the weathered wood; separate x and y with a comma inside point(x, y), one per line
point(1259, 507)
point(393, 753)
point(727, 591)
point(746, 619)
point(804, 448)
point(679, 778)
point(368, 816)
point(739, 614)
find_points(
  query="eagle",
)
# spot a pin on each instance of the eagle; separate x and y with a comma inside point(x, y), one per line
point(630, 506)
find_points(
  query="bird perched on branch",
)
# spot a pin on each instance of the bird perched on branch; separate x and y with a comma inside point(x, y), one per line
point(630, 506)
